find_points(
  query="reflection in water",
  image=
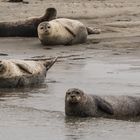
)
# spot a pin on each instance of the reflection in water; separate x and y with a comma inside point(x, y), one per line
point(76, 128)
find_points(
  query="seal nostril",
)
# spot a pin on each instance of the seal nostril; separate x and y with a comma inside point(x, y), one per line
point(72, 96)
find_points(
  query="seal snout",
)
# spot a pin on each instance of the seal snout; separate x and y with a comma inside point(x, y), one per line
point(72, 96)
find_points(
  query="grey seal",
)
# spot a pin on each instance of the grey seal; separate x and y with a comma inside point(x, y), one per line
point(63, 31)
point(26, 28)
point(23, 73)
point(77, 103)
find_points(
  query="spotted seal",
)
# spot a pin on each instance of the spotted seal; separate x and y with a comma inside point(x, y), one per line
point(63, 31)
point(25, 28)
point(77, 103)
point(22, 73)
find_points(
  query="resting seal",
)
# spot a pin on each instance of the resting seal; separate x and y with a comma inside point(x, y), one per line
point(21, 73)
point(77, 103)
point(63, 31)
point(25, 28)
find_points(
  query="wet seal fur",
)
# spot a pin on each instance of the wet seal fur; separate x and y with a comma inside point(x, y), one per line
point(25, 28)
point(63, 31)
point(77, 103)
point(23, 73)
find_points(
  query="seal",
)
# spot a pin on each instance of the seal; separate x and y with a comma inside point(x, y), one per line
point(15, 1)
point(25, 2)
point(26, 28)
point(77, 103)
point(23, 73)
point(63, 31)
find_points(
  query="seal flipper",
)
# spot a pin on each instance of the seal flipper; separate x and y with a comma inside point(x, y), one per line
point(50, 14)
point(104, 106)
point(24, 68)
point(70, 31)
point(93, 30)
point(48, 64)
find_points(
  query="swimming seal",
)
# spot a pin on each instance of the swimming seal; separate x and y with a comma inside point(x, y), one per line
point(25, 28)
point(77, 103)
point(22, 73)
point(63, 31)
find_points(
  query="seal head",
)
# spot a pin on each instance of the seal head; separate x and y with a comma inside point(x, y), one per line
point(44, 28)
point(74, 96)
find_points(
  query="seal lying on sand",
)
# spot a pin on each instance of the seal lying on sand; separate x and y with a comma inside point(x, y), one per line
point(25, 28)
point(21, 73)
point(25, 2)
point(63, 31)
point(15, 1)
point(77, 103)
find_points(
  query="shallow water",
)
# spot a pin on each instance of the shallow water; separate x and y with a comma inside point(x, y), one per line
point(38, 113)
point(111, 66)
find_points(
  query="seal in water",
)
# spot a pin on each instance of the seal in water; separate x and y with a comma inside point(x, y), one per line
point(22, 73)
point(25, 28)
point(77, 103)
point(63, 31)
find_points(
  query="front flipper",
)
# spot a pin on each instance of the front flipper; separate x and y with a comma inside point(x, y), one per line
point(72, 34)
point(70, 31)
point(24, 68)
point(104, 106)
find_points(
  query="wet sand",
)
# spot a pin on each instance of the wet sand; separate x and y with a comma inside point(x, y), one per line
point(108, 63)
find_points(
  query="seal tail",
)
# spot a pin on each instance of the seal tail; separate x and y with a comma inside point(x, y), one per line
point(93, 30)
point(49, 64)
point(50, 14)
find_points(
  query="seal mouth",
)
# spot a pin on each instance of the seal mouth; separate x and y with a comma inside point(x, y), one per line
point(73, 99)
point(46, 32)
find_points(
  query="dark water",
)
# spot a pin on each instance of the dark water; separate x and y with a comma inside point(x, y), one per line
point(38, 113)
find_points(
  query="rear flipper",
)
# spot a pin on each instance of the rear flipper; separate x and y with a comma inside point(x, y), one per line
point(48, 64)
point(93, 30)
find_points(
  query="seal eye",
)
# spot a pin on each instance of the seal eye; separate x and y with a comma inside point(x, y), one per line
point(41, 27)
point(77, 93)
point(68, 93)
point(49, 27)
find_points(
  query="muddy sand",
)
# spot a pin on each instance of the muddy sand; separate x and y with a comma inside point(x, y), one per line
point(108, 63)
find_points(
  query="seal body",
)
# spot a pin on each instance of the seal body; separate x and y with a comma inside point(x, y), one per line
point(121, 107)
point(25, 28)
point(21, 73)
point(62, 31)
